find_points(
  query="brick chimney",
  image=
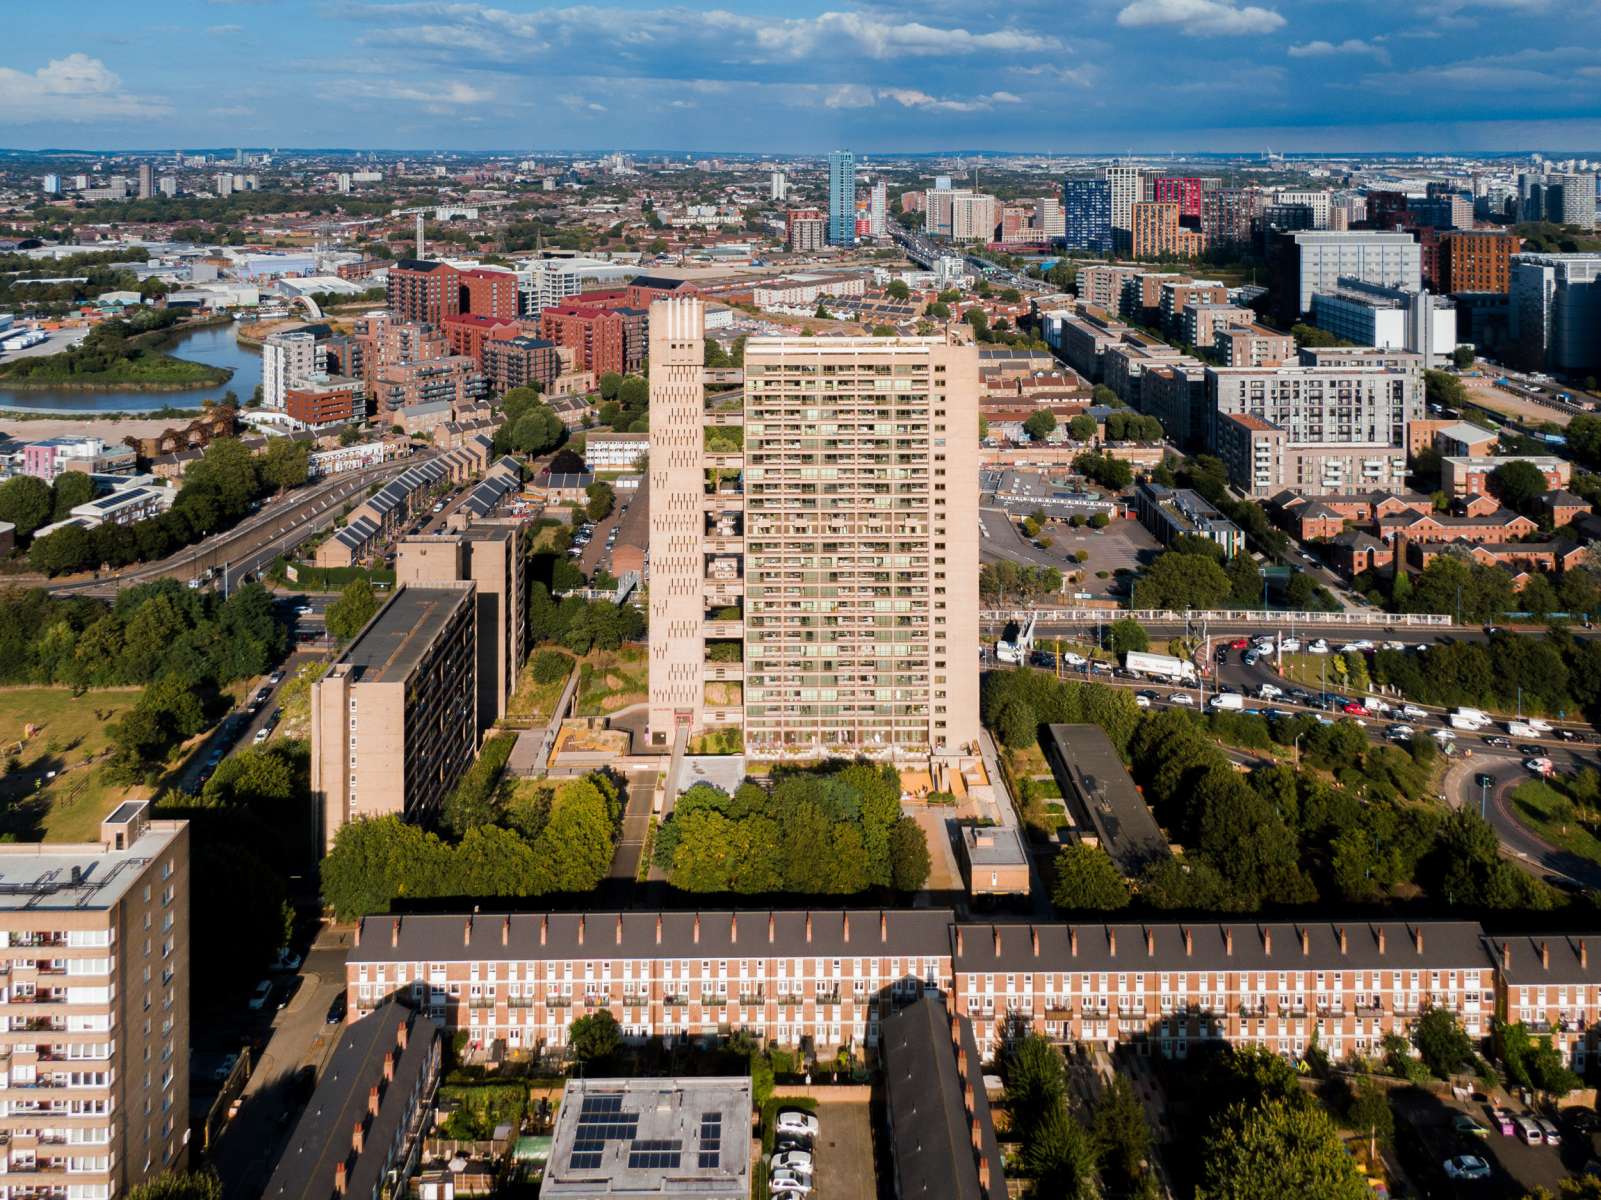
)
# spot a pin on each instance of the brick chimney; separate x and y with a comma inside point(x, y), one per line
point(1189, 942)
point(544, 928)
point(1306, 943)
point(1228, 941)
point(1150, 943)
point(1267, 942)
point(772, 923)
point(467, 932)
point(1034, 938)
point(401, 1033)
point(883, 926)
point(958, 941)
point(1545, 956)
point(1111, 942)
point(357, 1139)
point(372, 1100)
point(808, 927)
point(1417, 938)
point(389, 1066)
point(1506, 956)
point(1381, 939)
point(394, 933)
point(339, 1179)
point(697, 929)
point(505, 931)
point(658, 929)
point(995, 932)
point(1584, 955)
point(1342, 939)
point(580, 929)
point(359, 925)
point(733, 928)
point(845, 926)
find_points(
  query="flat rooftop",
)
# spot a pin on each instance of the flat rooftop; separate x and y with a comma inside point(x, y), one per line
point(993, 846)
point(401, 633)
point(1102, 797)
point(59, 876)
point(651, 1137)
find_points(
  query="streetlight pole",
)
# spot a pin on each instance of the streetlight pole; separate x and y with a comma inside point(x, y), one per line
point(1484, 797)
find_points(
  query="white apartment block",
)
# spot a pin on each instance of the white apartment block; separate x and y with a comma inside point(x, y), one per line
point(878, 210)
point(94, 1010)
point(1128, 189)
point(1315, 199)
point(1321, 258)
point(844, 537)
point(287, 361)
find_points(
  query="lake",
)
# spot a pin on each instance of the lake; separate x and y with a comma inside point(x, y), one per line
point(216, 345)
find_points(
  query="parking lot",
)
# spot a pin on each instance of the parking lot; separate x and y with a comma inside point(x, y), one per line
point(1426, 1139)
point(844, 1152)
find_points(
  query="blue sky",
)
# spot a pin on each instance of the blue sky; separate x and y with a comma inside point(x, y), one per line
point(795, 76)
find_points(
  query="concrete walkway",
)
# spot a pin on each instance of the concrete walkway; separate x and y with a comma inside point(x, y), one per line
point(534, 746)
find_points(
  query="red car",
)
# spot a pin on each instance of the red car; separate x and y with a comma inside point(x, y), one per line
point(1238, 644)
point(1356, 710)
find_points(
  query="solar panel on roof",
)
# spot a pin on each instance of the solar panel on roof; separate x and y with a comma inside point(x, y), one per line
point(584, 1162)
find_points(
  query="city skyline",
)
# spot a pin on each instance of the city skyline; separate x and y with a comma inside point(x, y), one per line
point(1144, 75)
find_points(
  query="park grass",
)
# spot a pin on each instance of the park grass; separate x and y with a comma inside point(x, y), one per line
point(70, 737)
point(1549, 815)
point(718, 741)
point(610, 680)
point(533, 702)
point(295, 700)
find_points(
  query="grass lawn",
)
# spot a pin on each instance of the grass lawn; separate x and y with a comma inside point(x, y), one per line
point(612, 679)
point(295, 699)
point(532, 703)
point(718, 741)
point(1550, 815)
point(69, 733)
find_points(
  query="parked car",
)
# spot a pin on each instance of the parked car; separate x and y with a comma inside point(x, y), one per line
point(1353, 709)
point(796, 1120)
point(259, 997)
point(261, 735)
point(1183, 698)
point(1142, 701)
point(1529, 1131)
point(798, 1161)
point(275, 678)
point(1238, 644)
point(1468, 1127)
point(336, 1010)
point(1318, 647)
point(1290, 645)
point(1467, 1166)
point(1501, 1118)
point(1412, 712)
point(287, 960)
point(1498, 742)
point(787, 1183)
point(1548, 1130)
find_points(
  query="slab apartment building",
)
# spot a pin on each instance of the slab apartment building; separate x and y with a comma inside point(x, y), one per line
point(394, 721)
point(839, 548)
point(94, 1009)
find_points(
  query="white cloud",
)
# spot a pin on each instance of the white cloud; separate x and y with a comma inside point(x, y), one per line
point(224, 30)
point(437, 97)
point(75, 88)
point(848, 95)
point(1201, 18)
point(1083, 76)
point(913, 98)
point(1351, 46)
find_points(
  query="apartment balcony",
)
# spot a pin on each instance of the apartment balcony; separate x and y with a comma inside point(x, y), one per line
point(724, 630)
point(728, 672)
point(1370, 1010)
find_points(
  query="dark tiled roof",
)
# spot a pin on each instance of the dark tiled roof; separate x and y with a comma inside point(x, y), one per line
point(924, 933)
point(1541, 958)
point(321, 1141)
point(1010, 946)
point(933, 1148)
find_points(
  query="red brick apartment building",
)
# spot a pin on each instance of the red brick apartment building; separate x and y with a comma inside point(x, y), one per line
point(520, 362)
point(832, 976)
point(487, 293)
point(467, 333)
point(338, 404)
point(1553, 985)
point(601, 339)
point(425, 290)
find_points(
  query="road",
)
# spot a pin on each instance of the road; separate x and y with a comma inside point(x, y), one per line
point(282, 523)
point(631, 841)
point(302, 1038)
point(1495, 802)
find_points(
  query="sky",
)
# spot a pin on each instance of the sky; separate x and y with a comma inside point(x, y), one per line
point(801, 77)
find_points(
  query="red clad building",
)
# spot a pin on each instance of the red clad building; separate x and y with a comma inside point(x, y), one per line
point(520, 362)
point(595, 335)
point(337, 404)
point(1186, 191)
point(422, 290)
point(468, 332)
point(488, 293)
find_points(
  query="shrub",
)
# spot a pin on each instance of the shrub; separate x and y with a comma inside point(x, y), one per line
point(551, 665)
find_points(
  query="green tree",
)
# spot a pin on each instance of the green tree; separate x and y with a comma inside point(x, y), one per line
point(1462, 357)
point(348, 615)
point(1369, 1112)
point(1060, 1157)
point(1129, 635)
point(897, 289)
point(594, 1037)
point(1086, 879)
point(70, 489)
point(1122, 1136)
point(610, 382)
point(173, 1185)
point(535, 431)
point(285, 463)
point(1276, 1150)
point(1081, 428)
point(26, 502)
point(1180, 581)
point(1036, 1081)
point(601, 500)
point(1518, 484)
point(1245, 581)
point(1040, 424)
point(68, 549)
point(1441, 1043)
point(908, 855)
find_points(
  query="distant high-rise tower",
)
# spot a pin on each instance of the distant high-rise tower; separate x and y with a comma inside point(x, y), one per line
point(1087, 214)
point(778, 186)
point(841, 198)
point(878, 212)
point(147, 181)
point(1127, 191)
